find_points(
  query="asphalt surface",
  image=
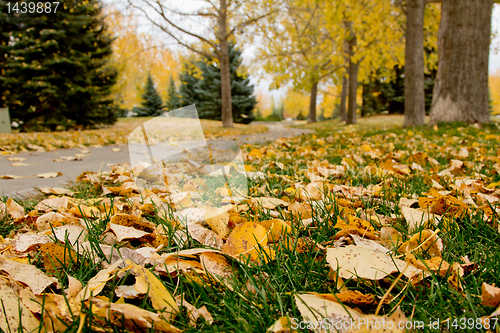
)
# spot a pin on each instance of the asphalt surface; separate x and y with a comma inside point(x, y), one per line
point(96, 159)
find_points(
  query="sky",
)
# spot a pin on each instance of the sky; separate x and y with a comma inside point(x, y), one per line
point(263, 84)
point(495, 56)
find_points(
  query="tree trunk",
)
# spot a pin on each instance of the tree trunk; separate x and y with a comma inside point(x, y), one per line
point(353, 88)
point(225, 76)
point(353, 80)
point(461, 88)
point(414, 64)
point(312, 105)
point(343, 98)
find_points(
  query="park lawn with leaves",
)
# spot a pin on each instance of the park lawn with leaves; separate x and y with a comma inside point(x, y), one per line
point(352, 224)
point(116, 134)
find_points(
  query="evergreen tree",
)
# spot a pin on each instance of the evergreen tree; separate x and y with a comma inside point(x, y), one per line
point(188, 81)
point(208, 90)
point(151, 105)
point(57, 72)
point(173, 99)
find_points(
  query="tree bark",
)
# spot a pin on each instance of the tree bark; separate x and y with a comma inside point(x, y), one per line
point(414, 64)
point(353, 79)
point(461, 88)
point(312, 104)
point(343, 98)
point(225, 76)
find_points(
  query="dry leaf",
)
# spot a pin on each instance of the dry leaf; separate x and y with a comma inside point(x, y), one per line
point(245, 239)
point(13, 311)
point(425, 241)
point(49, 175)
point(122, 232)
point(205, 236)
point(133, 318)
point(490, 295)
point(416, 218)
point(276, 228)
point(268, 203)
point(15, 210)
point(28, 274)
point(282, 325)
point(147, 282)
point(48, 205)
point(361, 262)
point(10, 177)
point(57, 190)
point(217, 219)
point(96, 284)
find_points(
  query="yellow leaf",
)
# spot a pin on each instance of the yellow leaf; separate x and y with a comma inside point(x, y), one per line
point(147, 282)
point(245, 239)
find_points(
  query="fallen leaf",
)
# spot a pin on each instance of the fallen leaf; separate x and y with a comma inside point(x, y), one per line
point(490, 295)
point(10, 177)
point(57, 190)
point(19, 164)
point(282, 325)
point(16, 159)
point(361, 262)
point(49, 175)
point(48, 205)
point(132, 318)
point(96, 284)
point(15, 315)
point(245, 239)
point(28, 274)
point(122, 232)
point(217, 219)
point(15, 210)
point(147, 282)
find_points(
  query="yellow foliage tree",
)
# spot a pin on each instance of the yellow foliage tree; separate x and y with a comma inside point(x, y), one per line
point(298, 48)
point(494, 83)
point(134, 55)
point(295, 104)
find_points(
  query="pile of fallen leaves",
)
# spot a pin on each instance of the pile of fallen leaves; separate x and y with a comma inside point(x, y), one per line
point(371, 208)
point(112, 135)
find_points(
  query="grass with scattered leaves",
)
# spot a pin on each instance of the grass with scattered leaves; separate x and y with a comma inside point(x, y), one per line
point(382, 166)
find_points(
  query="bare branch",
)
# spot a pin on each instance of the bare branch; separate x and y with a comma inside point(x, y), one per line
point(162, 14)
point(164, 29)
point(248, 22)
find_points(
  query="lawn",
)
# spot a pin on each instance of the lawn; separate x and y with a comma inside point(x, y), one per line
point(342, 227)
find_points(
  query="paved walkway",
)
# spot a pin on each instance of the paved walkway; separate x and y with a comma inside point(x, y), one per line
point(95, 160)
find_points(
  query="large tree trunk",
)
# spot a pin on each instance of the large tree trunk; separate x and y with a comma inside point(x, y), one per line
point(225, 76)
point(461, 88)
point(353, 79)
point(343, 98)
point(312, 105)
point(414, 64)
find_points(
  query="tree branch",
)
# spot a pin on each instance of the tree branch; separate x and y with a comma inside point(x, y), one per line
point(162, 14)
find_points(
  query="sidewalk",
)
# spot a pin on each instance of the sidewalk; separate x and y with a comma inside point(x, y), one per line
point(97, 159)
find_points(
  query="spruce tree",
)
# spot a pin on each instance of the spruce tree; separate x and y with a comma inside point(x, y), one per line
point(188, 80)
point(57, 71)
point(241, 90)
point(151, 105)
point(173, 99)
point(208, 90)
